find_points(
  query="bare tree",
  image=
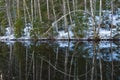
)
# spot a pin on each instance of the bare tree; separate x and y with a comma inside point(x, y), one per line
point(64, 12)
point(18, 9)
point(35, 9)
point(54, 13)
point(32, 17)
point(68, 5)
point(39, 10)
point(100, 15)
point(48, 11)
point(24, 7)
point(93, 17)
point(73, 1)
point(85, 3)
point(9, 15)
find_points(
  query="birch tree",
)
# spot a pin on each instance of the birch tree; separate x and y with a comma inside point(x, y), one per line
point(48, 11)
point(32, 17)
point(18, 9)
point(54, 13)
point(64, 12)
point(39, 10)
point(9, 15)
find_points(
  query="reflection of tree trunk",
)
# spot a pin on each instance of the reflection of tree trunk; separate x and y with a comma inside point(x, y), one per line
point(41, 69)
point(75, 70)
point(100, 61)
point(33, 57)
point(37, 70)
point(20, 73)
point(49, 70)
point(26, 68)
point(86, 77)
point(66, 61)
point(71, 63)
point(93, 62)
point(10, 63)
point(56, 61)
point(112, 67)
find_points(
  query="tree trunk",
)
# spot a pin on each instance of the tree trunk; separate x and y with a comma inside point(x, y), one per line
point(64, 12)
point(9, 15)
point(18, 9)
point(32, 17)
point(54, 13)
point(48, 11)
point(39, 9)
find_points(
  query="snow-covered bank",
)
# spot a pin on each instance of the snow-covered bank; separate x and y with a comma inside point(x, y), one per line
point(104, 31)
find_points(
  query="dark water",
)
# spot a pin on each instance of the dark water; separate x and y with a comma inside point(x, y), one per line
point(60, 61)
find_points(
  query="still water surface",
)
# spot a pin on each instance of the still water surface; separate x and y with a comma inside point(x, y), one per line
point(60, 60)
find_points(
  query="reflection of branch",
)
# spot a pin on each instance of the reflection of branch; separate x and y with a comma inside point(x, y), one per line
point(74, 52)
point(93, 62)
point(30, 66)
point(63, 71)
point(100, 64)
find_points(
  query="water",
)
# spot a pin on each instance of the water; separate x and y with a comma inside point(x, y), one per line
point(47, 60)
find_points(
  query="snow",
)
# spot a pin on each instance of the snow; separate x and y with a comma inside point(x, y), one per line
point(104, 34)
point(8, 35)
point(63, 34)
point(27, 30)
point(106, 44)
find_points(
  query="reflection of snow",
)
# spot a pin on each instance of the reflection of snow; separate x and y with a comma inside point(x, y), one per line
point(104, 53)
point(65, 44)
point(111, 56)
point(106, 44)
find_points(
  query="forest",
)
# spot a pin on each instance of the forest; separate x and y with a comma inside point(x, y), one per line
point(28, 29)
point(45, 18)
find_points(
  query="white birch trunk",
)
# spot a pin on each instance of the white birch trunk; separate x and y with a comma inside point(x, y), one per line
point(9, 15)
point(39, 9)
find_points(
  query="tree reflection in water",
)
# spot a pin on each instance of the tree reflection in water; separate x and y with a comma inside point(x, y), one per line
point(49, 61)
